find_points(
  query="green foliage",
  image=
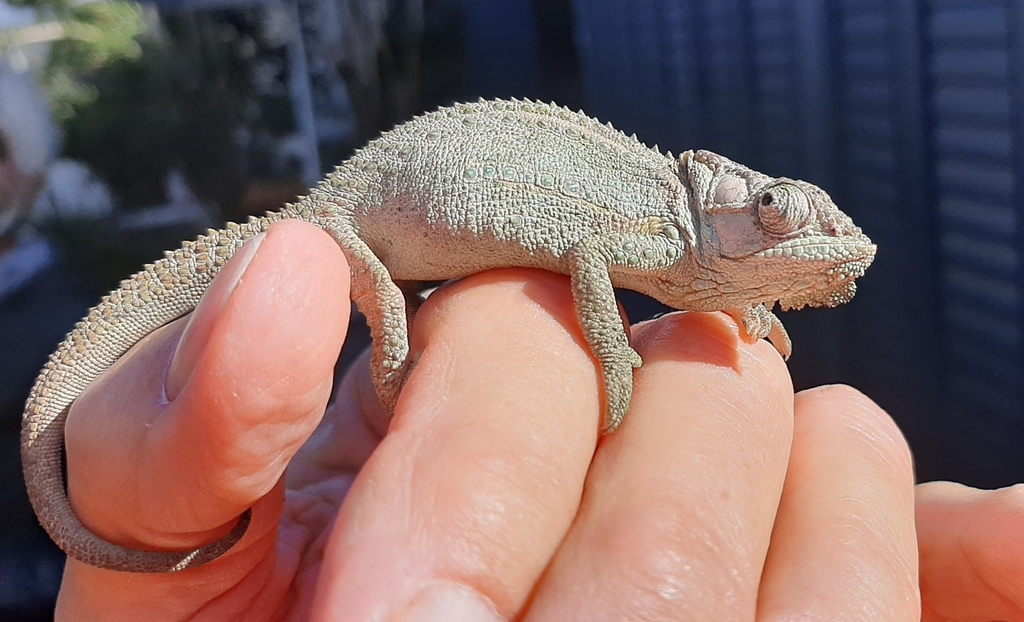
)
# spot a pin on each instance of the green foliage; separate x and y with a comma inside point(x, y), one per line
point(95, 34)
point(90, 35)
point(134, 105)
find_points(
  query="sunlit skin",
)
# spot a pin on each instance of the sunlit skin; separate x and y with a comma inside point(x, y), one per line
point(491, 493)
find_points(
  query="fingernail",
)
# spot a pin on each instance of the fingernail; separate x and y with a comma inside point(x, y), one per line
point(449, 602)
point(204, 317)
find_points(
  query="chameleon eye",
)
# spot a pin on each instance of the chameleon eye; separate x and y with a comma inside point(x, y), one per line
point(784, 209)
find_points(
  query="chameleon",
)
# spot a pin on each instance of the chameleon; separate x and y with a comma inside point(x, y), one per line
point(467, 188)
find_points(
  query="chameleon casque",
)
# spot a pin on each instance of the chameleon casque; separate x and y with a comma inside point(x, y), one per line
point(464, 189)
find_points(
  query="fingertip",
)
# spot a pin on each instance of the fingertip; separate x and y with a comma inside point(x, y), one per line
point(844, 531)
point(205, 316)
point(270, 354)
point(296, 250)
point(262, 370)
point(972, 560)
point(718, 338)
point(711, 338)
point(857, 413)
point(262, 357)
point(837, 393)
point(704, 337)
point(287, 303)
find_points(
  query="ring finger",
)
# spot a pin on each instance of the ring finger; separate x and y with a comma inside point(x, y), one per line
point(844, 546)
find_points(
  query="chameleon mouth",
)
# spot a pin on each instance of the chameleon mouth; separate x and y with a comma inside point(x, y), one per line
point(846, 249)
point(851, 256)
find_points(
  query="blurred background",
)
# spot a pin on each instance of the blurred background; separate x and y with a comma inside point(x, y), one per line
point(125, 128)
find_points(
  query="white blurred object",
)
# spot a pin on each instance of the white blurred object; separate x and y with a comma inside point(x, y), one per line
point(16, 16)
point(24, 111)
point(72, 191)
point(25, 120)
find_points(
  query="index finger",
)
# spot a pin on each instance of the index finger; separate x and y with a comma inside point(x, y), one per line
point(458, 511)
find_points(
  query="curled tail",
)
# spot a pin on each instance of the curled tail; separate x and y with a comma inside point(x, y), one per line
point(162, 292)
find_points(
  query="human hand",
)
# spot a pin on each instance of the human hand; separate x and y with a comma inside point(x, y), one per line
point(972, 552)
point(491, 495)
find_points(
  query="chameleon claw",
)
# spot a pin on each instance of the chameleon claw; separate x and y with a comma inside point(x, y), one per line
point(779, 338)
point(757, 323)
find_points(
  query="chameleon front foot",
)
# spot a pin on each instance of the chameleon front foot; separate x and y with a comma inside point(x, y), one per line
point(759, 323)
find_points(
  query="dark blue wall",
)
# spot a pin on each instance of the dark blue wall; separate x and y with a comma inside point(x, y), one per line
point(910, 114)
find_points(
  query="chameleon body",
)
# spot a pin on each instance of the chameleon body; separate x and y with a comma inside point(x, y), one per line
point(472, 187)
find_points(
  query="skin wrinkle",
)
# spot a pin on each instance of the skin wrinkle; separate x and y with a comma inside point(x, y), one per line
point(863, 520)
point(883, 438)
point(345, 437)
point(976, 568)
point(858, 547)
point(870, 519)
point(252, 587)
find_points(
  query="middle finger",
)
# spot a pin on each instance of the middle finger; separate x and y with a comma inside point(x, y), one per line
point(679, 504)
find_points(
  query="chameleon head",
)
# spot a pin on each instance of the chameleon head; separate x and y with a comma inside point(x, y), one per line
point(762, 239)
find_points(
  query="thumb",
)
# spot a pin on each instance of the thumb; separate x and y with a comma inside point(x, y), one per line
point(155, 463)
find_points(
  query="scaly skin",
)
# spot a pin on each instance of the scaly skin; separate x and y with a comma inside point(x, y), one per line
point(468, 188)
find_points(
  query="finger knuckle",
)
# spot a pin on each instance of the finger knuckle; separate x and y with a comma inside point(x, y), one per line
point(666, 553)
